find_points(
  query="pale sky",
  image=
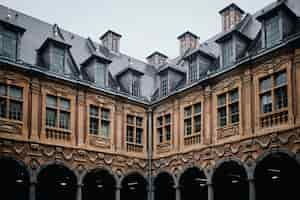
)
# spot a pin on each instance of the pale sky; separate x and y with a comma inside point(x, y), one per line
point(146, 26)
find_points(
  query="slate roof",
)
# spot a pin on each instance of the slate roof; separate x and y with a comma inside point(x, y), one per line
point(82, 49)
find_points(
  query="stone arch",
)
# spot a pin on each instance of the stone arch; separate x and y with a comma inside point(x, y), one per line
point(134, 185)
point(100, 168)
point(163, 171)
point(184, 169)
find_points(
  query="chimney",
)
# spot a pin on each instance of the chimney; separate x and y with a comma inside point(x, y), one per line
point(188, 41)
point(111, 40)
point(157, 58)
point(231, 15)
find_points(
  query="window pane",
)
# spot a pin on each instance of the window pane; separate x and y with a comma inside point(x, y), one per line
point(51, 117)
point(164, 87)
point(58, 60)
point(197, 124)
point(100, 74)
point(15, 92)
point(130, 119)
point(222, 114)
point(280, 79)
point(188, 126)
point(281, 98)
point(159, 121)
point(139, 133)
point(129, 135)
point(64, 120)
point(3, 106)
point(105, 128)
point(64, 104)
point(265, 84)
point(222, 100)
point(197, 108)
point(15, 110)
point(266, 103)
point(193, 70)
point(168, 119)
point(51, 101)
point(228, 53)
point(272, 31)
point(234, 109)
point(94, 126)
point(234, 96)
point(105, 114)
point(94, 111)
point(188, 111)
point(3, 90)
point(135, 86)
point(139, 121)
point(160, 135)
point(168, 133)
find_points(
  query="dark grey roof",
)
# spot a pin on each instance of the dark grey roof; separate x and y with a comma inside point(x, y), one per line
point(232, 5)
point(188, 33)
point(36, 32)
point(158, 53)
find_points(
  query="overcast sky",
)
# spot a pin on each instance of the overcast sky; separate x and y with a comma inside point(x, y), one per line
point(146, 25)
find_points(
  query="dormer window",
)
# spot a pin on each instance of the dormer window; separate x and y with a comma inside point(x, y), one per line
point(135, 86)
point(8, 43)
point(58, 60)
point(193, 70)
point(164, 86)
point(100, 74)
point(227, 52)
point(272, 32)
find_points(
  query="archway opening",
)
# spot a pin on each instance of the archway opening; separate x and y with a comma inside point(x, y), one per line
point(134, 187)
point(99, 184)
point(193, 185)
point(14, 182)
point(277, 177)
point(230, 182)
point(56, 182)
point(164, 187)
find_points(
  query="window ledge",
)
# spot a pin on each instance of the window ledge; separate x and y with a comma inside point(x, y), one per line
point(227, 131)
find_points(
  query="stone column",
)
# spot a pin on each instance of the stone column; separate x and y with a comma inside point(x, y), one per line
point(118, 192)
point(32, 191)
point(79, 192)
point(252, 193)
point(178, 197)
point(210, 191)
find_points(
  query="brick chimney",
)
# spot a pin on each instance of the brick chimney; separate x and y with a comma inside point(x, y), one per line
point(187, 41)
point(111, 40)
point(157, 58)
point(231, 15)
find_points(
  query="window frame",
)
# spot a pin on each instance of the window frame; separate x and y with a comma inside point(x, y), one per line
point(163, 127)
point(135, 126)
point(164, 85)
point(192, 118)
point(270, 24)
point(100, 121)
point(6, 33)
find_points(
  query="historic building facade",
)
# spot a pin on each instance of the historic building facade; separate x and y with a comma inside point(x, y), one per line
point(81, 120)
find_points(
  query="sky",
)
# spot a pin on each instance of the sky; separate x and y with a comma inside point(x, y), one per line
point(145, 25)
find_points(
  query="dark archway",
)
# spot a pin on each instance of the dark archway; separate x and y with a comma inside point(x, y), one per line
point(277, 177)
point(14, 182)
point(230, 181)
point(193, 185)
point(134, 187)
point(97, 184)
point(56, 182)
point(164, 187)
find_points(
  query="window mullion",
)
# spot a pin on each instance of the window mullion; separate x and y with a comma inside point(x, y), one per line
point(227, 109)
point(273, 93)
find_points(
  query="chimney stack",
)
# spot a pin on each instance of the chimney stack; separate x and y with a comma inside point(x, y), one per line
point(111, 40)
point(231, 15)
point(157, 58)
point(187, 41)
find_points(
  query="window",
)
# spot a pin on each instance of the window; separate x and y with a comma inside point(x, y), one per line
point(163, 128)
point(11, 102)
point(193, 72)
point(134, 133)
point(58, 60)
point(164, 87)
point(135, 86)
point(192, 124)
point(99, 117)
point(58, 111)
point(8, 44)
point(272, 33)
point(100, 74)
point(228, 108)
point(228, 53)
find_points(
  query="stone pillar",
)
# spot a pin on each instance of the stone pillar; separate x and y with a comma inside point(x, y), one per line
point(32, 191)
point(79, 192)
point(210, 191)
point(178, 197)
point(118, 193)
point(252, 194)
